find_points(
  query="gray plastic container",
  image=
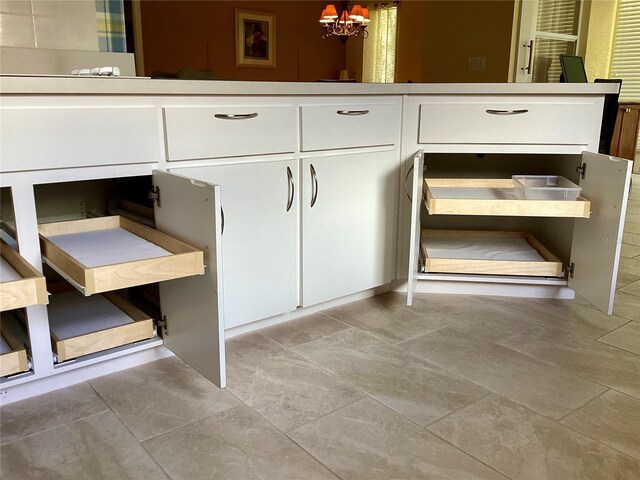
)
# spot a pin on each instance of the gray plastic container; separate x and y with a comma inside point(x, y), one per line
point(544, 187)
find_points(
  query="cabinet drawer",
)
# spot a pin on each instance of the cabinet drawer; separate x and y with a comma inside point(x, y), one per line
point(496, 120)
point(469, 196)
point(487, 253)
point(325, 127)
point(109, 253)
point(13, 356)
point(211, 132)
point(41, 138)
point(21, 285)
point(80, 326)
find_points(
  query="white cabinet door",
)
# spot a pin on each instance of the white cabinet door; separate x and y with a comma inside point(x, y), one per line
point(260, 240)
point(595, 250)
point(414, 236)
point(348, 224)
point(193, 306)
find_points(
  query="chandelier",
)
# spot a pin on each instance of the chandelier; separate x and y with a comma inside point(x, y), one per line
point(347, 24)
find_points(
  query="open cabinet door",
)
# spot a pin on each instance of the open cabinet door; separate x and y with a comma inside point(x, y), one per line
point(414, 234)
point(189, 211)
point(595, 251)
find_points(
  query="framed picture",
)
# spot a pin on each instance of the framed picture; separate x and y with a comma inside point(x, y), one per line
point(255, 39)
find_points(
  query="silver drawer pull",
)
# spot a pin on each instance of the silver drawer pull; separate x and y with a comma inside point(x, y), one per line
point(507, 112)
point(236, 116)
point(352, 112)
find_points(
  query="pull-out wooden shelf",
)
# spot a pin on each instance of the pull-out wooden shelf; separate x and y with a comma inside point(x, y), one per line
point(21, 284)
point(494, 197)
point(80, 326)
point(110, 253)
point(13, 356)
point(487, 252)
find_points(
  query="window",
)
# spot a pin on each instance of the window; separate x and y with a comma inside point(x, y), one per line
point(625, 61)
point(379, 56)
point(548, 28)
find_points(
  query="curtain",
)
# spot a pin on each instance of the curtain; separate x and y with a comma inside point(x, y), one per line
point(111, 29)
point(379, 55)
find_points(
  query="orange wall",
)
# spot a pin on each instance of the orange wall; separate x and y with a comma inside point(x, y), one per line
point(201, 35)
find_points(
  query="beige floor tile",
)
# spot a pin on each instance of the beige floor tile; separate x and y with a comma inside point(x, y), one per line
point(612, 419)
point(629, 251)
point(95, 448)
point(388, 317)
point(544, 388)
point(403, 382)
point(157, 397)
point(627, 305)
point(632, 288)
point(34, 415)
point(628, 271)
point(632, 218)
point(233, 445)
point(304, 330)
point(283, 387)
point(366, 441)
point(527, 446)
point(631, 239)
point(626, 337)
point(632, 227)
point(583, 357)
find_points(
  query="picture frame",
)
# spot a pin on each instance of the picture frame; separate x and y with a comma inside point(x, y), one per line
point(255, 39)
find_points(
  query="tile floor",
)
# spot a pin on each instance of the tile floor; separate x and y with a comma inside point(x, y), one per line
point(456, 388)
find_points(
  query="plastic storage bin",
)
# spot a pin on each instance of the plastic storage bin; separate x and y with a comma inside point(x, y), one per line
point(544, 187)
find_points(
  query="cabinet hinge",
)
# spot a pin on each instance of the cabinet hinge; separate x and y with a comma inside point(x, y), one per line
point(582, 170)
point(154, 195)
point(569, 270)
point(164, 325)
point(421, 265)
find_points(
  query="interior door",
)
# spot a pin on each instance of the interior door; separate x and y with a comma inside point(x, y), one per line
point(189, 210)
point(260, 238)
point(595, 250)
point(414, 236)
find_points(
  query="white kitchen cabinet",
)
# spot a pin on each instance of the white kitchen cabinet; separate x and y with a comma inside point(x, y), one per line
point(348, 216)
point(260, 237)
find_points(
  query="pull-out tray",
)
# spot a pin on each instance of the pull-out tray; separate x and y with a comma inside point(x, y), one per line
point(486, 252)
point(21, 284)
point(470, 196)
point(13, 356)
point(109, 253)
point(80, 326)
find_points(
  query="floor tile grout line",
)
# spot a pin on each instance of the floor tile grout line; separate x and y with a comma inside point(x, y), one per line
point(611, 331)
point(489, 392)
point(561, 418)
point(349, 327)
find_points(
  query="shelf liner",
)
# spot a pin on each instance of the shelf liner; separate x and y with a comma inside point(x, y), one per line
point(7, 272)
point(481, 248)
point(478, 193)
point(107, 247)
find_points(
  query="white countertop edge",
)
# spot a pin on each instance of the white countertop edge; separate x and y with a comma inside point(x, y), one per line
point(25, 85)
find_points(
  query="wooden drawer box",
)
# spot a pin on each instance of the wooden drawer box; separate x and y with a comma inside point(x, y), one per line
point(468, 196)
point(490, 253)
point(80, 326)
point(214, 132)
point(509, 120)
point(41, 138)
point(13, 356)
point(326, 127)
point(108, 253)
point(22, 285)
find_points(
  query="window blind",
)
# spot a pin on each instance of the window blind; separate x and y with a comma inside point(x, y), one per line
point(625, 60)
point(379, 55)
point(558, 16)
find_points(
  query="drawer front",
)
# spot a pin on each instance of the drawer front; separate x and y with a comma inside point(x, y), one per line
point(43, 138)
point(497, 120)
point(327, 127)
point(212, 132)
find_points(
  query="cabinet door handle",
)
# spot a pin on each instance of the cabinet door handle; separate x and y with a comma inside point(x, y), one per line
point(527, 69)
point(314, 185)
point(352, 112)
point(507, 112)
point(236, 116)
point(222, 212)
point(290, 189)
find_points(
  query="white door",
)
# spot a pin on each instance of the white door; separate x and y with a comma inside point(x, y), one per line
point(548, 28)
point(188, 210)
point(595, 250)
point(259, 241)
point(414, 235)
point(349, 205)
